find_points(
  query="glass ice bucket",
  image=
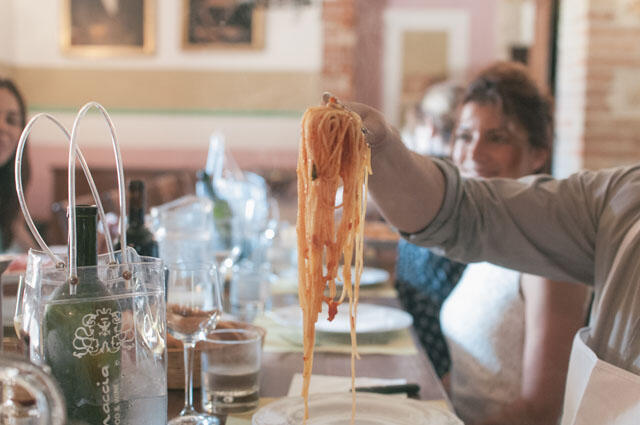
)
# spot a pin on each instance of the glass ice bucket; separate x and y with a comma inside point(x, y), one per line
point(109, 355)
point(100, 329)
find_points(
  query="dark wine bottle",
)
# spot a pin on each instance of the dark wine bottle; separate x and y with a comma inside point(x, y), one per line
point(83, 335)
point(138, 236)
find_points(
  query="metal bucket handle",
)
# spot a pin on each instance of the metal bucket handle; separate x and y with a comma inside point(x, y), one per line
point(20, 190)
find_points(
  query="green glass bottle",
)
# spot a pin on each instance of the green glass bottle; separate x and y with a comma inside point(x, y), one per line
point(221, 208)
point(138, 236)
point(222, 213)
point(83, 336)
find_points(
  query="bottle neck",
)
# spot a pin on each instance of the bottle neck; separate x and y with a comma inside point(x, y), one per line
point(136, 217)
point(136, 206)
point(208, 185)
point(87, 247)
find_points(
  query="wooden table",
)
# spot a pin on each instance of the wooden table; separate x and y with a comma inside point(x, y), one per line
point(279, 368)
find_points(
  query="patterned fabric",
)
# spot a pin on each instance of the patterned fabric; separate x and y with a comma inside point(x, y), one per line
point(423, 281)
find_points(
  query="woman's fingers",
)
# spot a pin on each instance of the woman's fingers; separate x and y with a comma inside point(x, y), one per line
point(377, 130)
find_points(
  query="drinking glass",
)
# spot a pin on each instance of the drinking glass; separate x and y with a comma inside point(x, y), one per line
point(183, 228)
point(5, 260)
point(250, 292)
point(231, 361)
point(194, 305)
point(21, 381)
point(21, 321)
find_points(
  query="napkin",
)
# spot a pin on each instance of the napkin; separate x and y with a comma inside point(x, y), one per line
point(336, 384)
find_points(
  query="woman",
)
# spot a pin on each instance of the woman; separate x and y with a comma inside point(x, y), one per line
point(13, 235)
point(585, 228)
point(509, 333)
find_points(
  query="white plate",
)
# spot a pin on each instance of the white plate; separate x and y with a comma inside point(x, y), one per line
point(335, 409)
point(371, 319)
point(370, 276)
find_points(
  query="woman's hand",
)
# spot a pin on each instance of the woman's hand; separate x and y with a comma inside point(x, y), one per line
point(408, 188)
point(376, 129)
point(374, 126)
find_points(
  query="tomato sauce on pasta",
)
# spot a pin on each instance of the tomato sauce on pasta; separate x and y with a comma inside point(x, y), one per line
point(333, 153)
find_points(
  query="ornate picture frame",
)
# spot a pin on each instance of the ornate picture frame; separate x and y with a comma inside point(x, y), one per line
point(102, 28)
point(223, 24)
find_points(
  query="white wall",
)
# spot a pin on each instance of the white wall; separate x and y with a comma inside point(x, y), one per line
point(516, 25)
point(176, 131)
point(397, 20)
point(292, 41)
point(6, 28)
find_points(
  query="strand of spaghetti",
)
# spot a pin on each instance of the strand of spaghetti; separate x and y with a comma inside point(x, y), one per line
point(332, 152)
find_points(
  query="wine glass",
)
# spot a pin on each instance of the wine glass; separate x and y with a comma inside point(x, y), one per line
point(227, 241)
point(226, 246)
point(194, 305)
point(21, 321)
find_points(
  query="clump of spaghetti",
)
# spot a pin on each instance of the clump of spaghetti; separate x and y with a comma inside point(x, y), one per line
point(333, 153)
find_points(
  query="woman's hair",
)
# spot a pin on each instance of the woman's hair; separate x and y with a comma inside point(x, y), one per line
point(508, 85)
point(9, 206)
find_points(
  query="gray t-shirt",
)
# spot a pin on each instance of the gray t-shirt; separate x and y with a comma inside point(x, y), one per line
point(566, 229)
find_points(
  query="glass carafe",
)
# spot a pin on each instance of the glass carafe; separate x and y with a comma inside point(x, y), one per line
point(28, 395)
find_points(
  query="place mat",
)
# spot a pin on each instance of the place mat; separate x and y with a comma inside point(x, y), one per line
point(281, 339)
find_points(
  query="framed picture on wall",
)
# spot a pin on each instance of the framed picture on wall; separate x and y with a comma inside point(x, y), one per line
point(223, 24)
point(107, 27)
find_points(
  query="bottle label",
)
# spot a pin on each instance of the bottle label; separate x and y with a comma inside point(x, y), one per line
point(101, 332)
point(110, 397)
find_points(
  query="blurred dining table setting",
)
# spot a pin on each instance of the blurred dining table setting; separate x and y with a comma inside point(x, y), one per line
point(391, 358)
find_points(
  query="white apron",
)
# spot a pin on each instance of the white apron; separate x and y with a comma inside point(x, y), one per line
point(597, 392)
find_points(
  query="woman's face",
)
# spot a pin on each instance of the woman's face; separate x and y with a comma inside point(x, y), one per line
point(489, 144)
point(10, 125)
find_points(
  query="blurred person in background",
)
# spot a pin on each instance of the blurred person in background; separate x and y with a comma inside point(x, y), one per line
point(14, 236)
point(437, 116)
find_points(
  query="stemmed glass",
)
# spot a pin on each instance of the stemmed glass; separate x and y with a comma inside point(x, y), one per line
point(227, 241)
point(22, 321)
point(194, 305)
point(226, 246)
point(19, 400)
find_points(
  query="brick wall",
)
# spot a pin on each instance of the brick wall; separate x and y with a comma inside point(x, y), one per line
point(338, 59)
point(598, 87)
